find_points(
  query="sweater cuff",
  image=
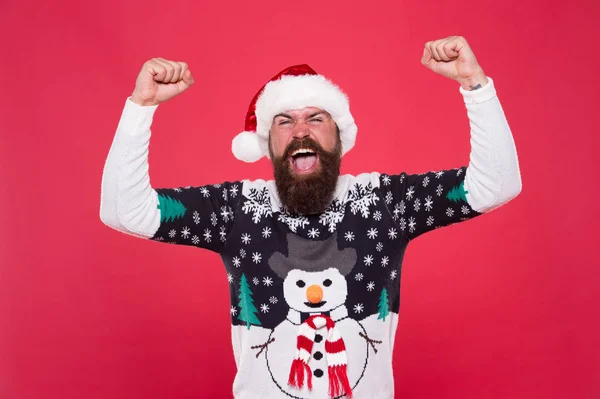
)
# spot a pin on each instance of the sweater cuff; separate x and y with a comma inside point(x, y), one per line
point(136, 118)
point(485, 93)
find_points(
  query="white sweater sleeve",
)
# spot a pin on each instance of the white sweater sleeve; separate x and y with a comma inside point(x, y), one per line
point(492, 177)
point(127, 201)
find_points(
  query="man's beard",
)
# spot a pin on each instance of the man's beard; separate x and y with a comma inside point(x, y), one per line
point(310, 193)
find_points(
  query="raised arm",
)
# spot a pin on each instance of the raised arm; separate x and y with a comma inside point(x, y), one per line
point(426, 201)
point(128, 203)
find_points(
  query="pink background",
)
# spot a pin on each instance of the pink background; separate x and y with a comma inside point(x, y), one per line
point(505, 306)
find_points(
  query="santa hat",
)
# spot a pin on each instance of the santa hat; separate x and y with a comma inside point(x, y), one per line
point(296, 87)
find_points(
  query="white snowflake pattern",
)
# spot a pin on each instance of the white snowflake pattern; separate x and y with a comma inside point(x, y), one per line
point(267, 281)
point(264, 308)
point(205, 192)
point(224, 194)
point(256, 257)
point(377, 215)
point(371, 286)
point(242, 253)
point(393, 274)
point(358, 276)
point(172, 233)
point(372, 233)
point(389, 197)
point(349, 236)
point(458, 172)
point(313, 233)
point(411, 224)
point(439, 190)
point(217, 185)
point(439, 174)
point(333, 215)
point(259, 203)
point(207, 235)
point(185, 232)
point(430, 221)
point(385, 261)
point(236, 261)
point(358, 308)
point(417, 204)
point(223, 233)
point(392, 233)
point(449, 212)
point(386, 180)
point(410, 192)
point(402, 224)
point(293, 220)
point(273, 300)
point(266, 233)
point(368, 260)
point(246, 238)
point(229, 278)
point(195, 240)
point(226, 213)
point(233, 311)
point(425, 181)
point(255, 281)
point(465, 210)
point(213, 219)
point(399, 209)
point(361, 198)
point(379, 246)
point(196, 217)
point(428, 203)
point(233, 190)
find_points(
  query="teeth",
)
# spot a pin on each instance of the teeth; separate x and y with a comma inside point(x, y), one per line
point(302, 151)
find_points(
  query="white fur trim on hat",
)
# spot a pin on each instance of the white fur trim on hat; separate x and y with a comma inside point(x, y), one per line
point(246, 147)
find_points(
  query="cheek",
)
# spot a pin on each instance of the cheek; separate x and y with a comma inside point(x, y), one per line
point(278, 144)
point(327, 136)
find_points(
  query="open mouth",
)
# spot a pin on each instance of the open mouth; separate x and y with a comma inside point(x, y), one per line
point(304, 160)
point(315, 305)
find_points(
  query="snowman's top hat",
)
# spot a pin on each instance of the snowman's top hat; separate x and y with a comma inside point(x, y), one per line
point(313, 256)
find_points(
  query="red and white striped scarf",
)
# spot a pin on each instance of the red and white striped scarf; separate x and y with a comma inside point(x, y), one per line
point(335, 351)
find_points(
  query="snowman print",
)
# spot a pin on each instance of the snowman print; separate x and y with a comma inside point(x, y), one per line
point(314, 283)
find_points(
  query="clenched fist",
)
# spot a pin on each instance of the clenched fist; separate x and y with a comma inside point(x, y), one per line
point(160, 80)
point(453, 58)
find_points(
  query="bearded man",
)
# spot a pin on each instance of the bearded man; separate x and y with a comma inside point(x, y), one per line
point(313, 258)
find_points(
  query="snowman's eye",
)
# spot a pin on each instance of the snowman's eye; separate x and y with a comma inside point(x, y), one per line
point(300, 283)
point(327, 283)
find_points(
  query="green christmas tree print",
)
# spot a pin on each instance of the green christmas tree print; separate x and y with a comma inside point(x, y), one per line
point(384, 305)
point(457, 193)
point(246, 304)
point(170, 208)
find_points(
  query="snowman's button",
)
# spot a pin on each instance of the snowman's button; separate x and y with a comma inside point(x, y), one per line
point(318, 355)
point(318, 338)
point(318, 373)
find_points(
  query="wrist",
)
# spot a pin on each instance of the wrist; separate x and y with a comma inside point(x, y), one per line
point(140, 101)
point(474, 82)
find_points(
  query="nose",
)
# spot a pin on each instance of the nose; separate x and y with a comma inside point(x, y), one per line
point(301, 130)
point(314, 294)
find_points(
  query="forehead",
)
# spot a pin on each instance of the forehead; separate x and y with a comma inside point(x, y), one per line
point(303, 112)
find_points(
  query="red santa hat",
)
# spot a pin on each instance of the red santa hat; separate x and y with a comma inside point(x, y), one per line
point(296, 87)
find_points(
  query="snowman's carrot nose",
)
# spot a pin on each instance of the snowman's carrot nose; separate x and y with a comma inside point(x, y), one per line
point(314, 294)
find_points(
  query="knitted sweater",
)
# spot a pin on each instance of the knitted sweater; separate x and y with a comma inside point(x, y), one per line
point(283, 267)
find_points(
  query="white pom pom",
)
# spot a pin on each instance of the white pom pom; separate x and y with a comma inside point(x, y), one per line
point(246, 147)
